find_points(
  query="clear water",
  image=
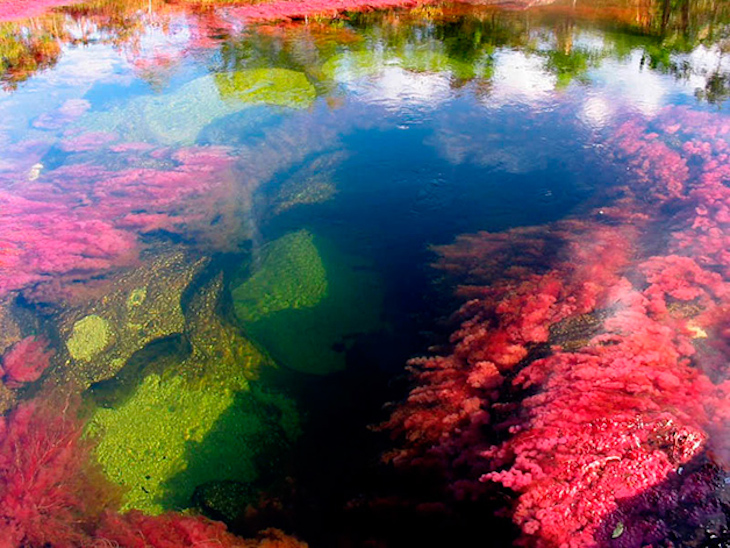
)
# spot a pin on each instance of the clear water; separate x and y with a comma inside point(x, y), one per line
point(223, 230)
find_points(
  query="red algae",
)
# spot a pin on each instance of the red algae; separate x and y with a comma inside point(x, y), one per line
point(11, 10)
point(25, 361)
point(589, 377)
point(52, 492)
point(299, 9)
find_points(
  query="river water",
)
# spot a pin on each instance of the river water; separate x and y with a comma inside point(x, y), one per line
point(221, 241)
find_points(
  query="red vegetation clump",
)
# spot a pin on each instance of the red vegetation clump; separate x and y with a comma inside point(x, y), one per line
point(588, 376)
point(299, 9)
point(137, 530)
point(53, 494)
point(48, 496)
point(25, 361)
point(11, 10)
point(82, 218)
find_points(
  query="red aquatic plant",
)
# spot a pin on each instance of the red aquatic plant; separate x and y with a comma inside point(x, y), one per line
point(53, 494)
point(25, 361)
point(47, 493)
point(43, 239)
point(589, 375)
point(299, 9)
point(11, 10)
point(137, 530)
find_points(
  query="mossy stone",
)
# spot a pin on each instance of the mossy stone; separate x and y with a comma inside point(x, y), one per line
point(271, 86)
point(289, 275)
point(172, 435)
point(90, 336)
point(308, 329)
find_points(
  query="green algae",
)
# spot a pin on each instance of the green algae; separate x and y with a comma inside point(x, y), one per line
point(271, 86)
point(314, 338)
point(290, 275)
point(177, 118)
point(172, 435)
point(90, 336)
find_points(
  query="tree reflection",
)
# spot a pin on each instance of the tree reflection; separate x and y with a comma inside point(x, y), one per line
point(449, 38)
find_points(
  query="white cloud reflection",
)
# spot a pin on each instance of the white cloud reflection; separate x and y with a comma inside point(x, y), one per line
point(520, 79)
point(396, 88)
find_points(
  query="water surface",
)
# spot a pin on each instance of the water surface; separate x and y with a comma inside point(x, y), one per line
point(223, 231)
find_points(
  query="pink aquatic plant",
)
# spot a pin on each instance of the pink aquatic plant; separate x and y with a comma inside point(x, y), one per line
point(52, 493)
point(25, 361)
point(589, 375)
point(11, 10)
point(299, 9)
point(46, 494)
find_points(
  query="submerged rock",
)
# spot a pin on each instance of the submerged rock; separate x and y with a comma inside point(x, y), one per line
point(289, 275)
point(218, 348)
point(173, 435)
point(312, 183)
point(307, 303)
point(176, 118)
point(271, 86)
point(137, 307)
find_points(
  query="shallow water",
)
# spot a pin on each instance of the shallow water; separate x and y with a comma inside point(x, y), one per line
point(223, 232)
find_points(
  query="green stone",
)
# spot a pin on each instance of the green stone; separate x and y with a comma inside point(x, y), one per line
point(90, 336)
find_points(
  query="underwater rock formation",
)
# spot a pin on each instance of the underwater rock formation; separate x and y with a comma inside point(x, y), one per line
point(289, 275)
point(173, 434)
point(306, 302)
point(218, 348)
point(138, 307)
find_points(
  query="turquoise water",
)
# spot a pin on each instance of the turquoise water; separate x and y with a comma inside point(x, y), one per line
point(223, 230)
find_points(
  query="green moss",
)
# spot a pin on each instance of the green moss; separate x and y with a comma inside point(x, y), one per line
point(170, 436)
point(90, 336)
point(290, 275)
point(314, 338)
point(271, 86)
point(169, 118)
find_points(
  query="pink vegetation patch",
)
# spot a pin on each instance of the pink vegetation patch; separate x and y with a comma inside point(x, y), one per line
point(25, 361)
point(588, 376)
point(83, 219)
point(299, 9)
point(22, 9)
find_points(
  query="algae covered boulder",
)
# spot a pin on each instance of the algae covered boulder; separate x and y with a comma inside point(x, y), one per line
point(174, 118)
point(138, 307)
point(306, 302)
point(271, 86)
point(290, 275)
point(172, 435)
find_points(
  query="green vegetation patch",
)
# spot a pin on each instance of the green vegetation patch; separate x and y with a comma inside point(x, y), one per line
point(290, 275)
point(328, 305)
point(90, 336)
point(271, 86)
point(172, 435)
